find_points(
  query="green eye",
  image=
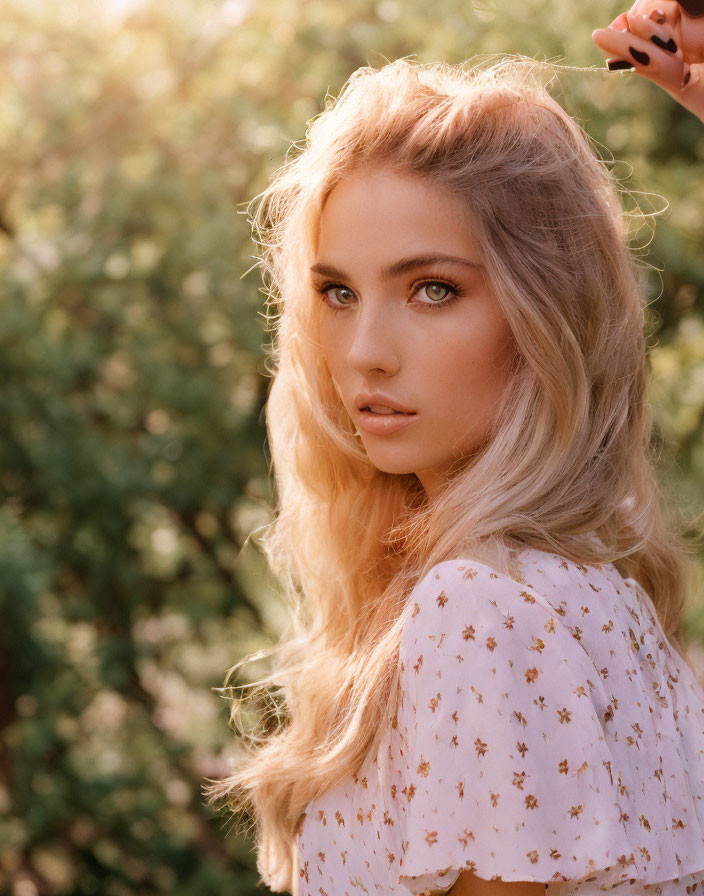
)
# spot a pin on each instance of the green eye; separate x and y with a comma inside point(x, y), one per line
point(436, 291)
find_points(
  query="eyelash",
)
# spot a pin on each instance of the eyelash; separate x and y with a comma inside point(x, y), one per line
point(455, 293)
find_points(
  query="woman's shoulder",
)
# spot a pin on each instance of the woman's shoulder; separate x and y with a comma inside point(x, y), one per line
point(578, 596)
point(543, 583)
point(547, 707)
point(468, 611)
point(564, 633)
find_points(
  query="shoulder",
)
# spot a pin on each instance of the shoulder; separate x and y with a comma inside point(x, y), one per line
point(477, 641)
point(462, 598)
point(499, 724)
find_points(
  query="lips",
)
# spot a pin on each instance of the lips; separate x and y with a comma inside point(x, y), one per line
point(385, 424)
point(379, 403)
point(383, 409)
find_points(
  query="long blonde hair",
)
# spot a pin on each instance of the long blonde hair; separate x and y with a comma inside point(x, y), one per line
point(569, 455)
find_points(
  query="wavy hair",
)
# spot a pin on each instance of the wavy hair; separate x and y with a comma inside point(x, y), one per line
point(568, 466)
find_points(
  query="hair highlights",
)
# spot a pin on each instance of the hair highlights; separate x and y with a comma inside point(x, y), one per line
point(567, 467)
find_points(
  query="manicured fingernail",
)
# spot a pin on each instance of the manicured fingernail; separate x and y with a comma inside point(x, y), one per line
point(643, 58)
point(616, 64)
point(670, 46)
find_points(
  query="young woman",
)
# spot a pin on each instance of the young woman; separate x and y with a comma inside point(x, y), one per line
point(483, 686)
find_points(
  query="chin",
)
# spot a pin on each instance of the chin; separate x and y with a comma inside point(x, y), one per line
point(394, 469)
point(399, 467)
point(401, 462)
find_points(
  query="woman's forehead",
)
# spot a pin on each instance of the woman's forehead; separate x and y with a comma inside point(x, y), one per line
point(387, 216)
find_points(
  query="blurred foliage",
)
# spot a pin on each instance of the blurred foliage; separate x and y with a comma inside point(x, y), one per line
point(133, 457)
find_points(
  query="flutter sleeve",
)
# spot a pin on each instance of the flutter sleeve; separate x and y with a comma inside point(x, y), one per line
point(505, 770)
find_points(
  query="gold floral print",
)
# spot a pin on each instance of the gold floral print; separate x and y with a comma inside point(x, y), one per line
point(546, 730)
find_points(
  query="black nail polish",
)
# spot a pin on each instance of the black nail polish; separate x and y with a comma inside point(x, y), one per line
point(670, 46)
point(617, 64)
point(643, 58)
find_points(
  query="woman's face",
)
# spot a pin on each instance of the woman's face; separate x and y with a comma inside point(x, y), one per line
point(407, 311)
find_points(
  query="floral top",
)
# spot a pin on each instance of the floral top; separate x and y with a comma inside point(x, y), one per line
point(547, 731)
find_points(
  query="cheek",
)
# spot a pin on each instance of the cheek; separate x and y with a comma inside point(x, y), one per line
point(482, 360)
point(472, 374)
point(333, 357)
point(326, 342)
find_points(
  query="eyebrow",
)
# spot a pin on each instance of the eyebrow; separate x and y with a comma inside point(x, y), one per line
point(398, 267)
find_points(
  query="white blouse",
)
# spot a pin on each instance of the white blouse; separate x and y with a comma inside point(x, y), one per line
point(547, 730)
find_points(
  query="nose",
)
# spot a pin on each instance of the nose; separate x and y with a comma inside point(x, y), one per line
point(374, 340)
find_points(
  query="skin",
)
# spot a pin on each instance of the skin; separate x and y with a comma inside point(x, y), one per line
point(667, 20)
point(448, 364)
point(469, 884)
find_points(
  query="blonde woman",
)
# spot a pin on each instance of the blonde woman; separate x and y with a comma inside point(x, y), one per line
point(482, 687)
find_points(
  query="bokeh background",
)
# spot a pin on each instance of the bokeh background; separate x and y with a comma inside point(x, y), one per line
point(133, 461)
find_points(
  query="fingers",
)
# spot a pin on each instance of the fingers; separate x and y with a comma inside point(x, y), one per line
point(620, 23)
point(662, 12)
point(655, 21)
point(616, 39)
point(650, 40)
point(656, 56)
point(643, 51)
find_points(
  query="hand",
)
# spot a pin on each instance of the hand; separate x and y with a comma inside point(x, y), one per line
point(660, 41)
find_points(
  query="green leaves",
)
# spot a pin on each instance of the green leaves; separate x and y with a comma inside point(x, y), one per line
point(132, 447)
